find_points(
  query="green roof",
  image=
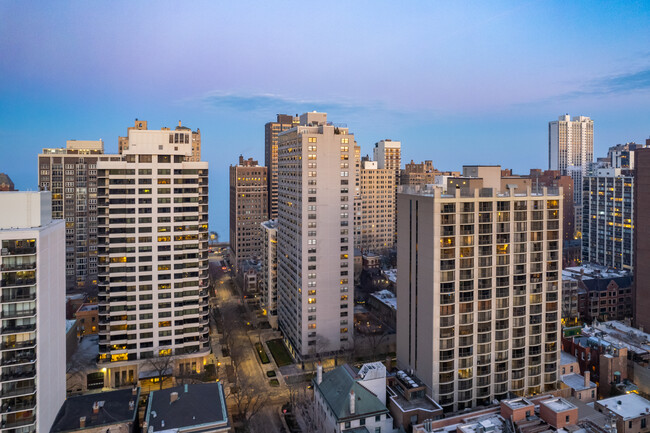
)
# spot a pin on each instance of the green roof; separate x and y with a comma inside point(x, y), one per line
point(335, 389)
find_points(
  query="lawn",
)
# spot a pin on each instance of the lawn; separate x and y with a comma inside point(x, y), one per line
point(270, 373)
point(280, 353)
point(262, 353)
point(274, 382)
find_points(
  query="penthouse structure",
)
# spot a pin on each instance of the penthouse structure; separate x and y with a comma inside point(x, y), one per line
point(32, 331)
point(153, 256)
point(70, 173)
point(182, 132)
point(479, 287)
point(316, 236)
point(271, 132)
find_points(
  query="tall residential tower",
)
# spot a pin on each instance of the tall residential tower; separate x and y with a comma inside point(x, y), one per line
point(153, 256)
point(315, 232)
point(32, 350)
point(478, 286)
point(271, 131)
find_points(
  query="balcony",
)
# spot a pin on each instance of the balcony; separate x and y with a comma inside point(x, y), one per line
point(17, 345)
point(13, 391)
point(18, 313)
point(19, 423)
point(18, 374)
point(18, 405)
point(6, 267)
point(18, 282)
point(17, 329)
point(18, 251)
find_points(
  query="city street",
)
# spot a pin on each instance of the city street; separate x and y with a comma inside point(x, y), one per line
point(239, 322)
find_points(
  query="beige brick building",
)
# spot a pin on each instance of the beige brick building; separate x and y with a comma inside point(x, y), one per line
point(376, 229)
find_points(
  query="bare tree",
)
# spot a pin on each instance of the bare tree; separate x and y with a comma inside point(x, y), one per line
point(248, 399)
point(75, 376)
point(161, 364)
point(374, 341)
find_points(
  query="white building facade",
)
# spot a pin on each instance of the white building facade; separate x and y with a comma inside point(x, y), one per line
point(315, 253)
point(32, 351)
point(269, 280)
point(153, 256)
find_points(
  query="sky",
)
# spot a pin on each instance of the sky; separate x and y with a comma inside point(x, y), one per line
point(462, 82)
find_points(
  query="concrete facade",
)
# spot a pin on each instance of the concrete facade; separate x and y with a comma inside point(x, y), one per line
point(153, 255)
point(641, 256)
point(478, 290)
point(32, 355)
point(269, 280)
point(315, 236)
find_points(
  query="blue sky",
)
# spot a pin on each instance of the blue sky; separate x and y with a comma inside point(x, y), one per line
point(457, 82)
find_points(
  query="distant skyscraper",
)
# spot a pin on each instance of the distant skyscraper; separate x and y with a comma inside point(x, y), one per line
point(70, 173)
point(5, 183)
point(316, 183)
point(553, 179)
point(376, 231)
point(641, 259)
point(478, 287)
point(153, 256)
point(32, 354)
point(571, 151)
point(271, 131)
point(248, 201)
point(194, 138)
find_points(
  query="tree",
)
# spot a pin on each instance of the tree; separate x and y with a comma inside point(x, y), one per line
point(161, 364)
point(246, 396)
point(374, 341)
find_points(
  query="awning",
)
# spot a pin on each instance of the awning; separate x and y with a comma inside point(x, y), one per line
point(154, 373)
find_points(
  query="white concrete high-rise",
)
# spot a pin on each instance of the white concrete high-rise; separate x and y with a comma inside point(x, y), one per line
point(478, 287)
point(32, 351)
point(316, 181)
point(571, 150)
point(153, 256)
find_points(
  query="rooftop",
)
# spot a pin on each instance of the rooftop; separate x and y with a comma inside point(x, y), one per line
point(335, 390)
point(567, 358)
point(201, 404)
point(488, 423)
point(576, 381)
point(115, 407)
point(628, 406)
point(391, 274)
point(88, 307)
point(386, 297)
point(517, 403)
point(620, 335)
point(558, 404)
point(590, 271)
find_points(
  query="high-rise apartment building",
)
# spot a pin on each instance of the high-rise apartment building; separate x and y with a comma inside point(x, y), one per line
point(70, 173)
point(388, 155)
point(316, 236)
point(269, 280)
point(271, 131)
point(641, 246)
point(608, 218)
point(571, 151)
point(5, 183)
point(153, 256)
point(32, 350)
point(478, 287)
point(194, 137)
point(248, 209)
point(376, 231)
point(553, 179)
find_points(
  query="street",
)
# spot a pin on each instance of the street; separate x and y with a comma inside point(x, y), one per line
point(239, 324)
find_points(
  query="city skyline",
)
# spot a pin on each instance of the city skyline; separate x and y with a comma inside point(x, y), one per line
point(487, 77)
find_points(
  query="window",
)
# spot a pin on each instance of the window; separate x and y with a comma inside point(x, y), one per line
point(362, 421)
point(312, 140)
point(377, 429)
point(347, 424)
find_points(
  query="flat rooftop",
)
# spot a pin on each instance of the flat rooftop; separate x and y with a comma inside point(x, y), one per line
point(115, 407)
point(386, 297)
point(517, 403)
point(577, 381)
point(558, 404)
point(626, 406)
point(567, 358)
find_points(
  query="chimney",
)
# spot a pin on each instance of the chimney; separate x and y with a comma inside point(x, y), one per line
point(587, 374)
point(131, 404)
point(95, 408)
point(319, 373)
point(173, 397)
point(179, 123)
point(352, 402)
point(82, 422)
point(134, 391)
